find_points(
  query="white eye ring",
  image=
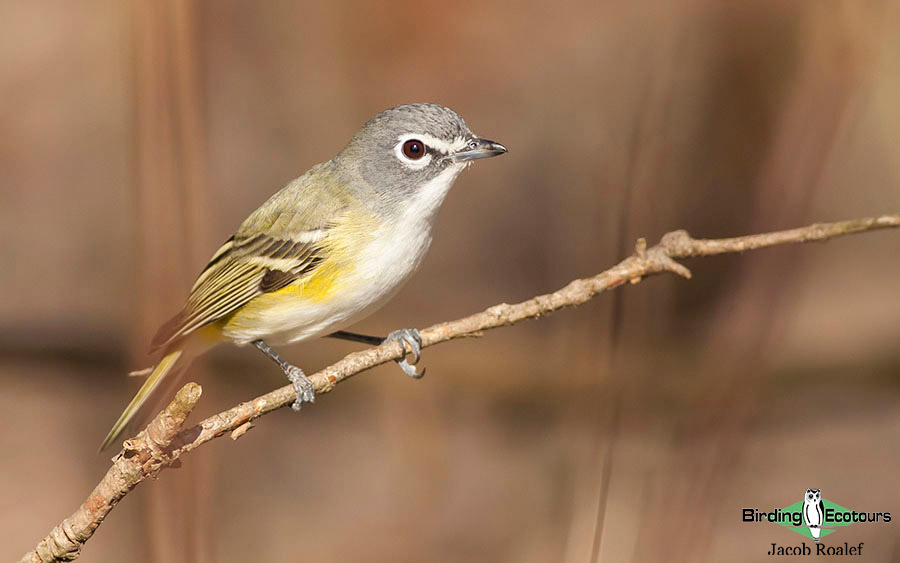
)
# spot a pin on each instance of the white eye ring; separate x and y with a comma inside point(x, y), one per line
point(412, 164)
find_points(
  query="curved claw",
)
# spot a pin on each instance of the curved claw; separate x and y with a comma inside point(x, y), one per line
point(408, 337)
point(410, 370)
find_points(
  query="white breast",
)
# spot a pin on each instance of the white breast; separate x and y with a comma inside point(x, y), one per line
point(399, 247)
point(396, 250)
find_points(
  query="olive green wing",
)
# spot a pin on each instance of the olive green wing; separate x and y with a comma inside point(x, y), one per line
point(243, 268)
point(284, 239)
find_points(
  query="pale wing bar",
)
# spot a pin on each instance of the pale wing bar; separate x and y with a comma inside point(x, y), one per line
point(239, 271)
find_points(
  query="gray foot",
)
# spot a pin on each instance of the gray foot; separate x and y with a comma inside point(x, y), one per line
point(410, 339)
point(302, 385)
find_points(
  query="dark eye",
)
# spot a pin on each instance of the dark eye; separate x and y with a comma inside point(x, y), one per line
point(414, 149)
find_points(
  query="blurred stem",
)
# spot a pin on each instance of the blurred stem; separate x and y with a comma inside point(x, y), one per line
point(610, 429)
point(163, 442)
point(172, 227)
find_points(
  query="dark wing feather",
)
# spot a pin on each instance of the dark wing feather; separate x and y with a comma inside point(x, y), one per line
point(274, 280)
point(242, 268)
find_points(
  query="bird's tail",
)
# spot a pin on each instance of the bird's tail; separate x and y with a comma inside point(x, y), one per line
point(162, 369)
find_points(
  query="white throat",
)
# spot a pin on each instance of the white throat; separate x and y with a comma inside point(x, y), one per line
point(400, 244)
point(424, 204)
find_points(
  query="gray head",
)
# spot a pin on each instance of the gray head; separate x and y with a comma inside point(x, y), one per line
point(400, 150)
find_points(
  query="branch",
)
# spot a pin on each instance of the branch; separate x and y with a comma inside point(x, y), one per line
point(163, 442)
point(148, 457)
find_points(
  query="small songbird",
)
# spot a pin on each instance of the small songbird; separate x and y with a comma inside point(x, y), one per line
point(327, 250)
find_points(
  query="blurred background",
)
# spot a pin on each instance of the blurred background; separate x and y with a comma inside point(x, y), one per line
point(137, 135)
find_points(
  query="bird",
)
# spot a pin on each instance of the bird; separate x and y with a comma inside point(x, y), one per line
point(814, 512)
point(325, 251)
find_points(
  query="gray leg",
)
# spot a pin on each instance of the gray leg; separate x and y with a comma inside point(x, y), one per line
point(355, 337)
point(302, 385)
point(408, 337)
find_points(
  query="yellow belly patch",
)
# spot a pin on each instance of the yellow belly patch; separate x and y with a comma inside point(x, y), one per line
point(322, 285)
point(318, 287)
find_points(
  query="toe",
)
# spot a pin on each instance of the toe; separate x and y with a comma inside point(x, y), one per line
point(408, 337)
point(415, 347)
point(410, 370)
point(303, 386)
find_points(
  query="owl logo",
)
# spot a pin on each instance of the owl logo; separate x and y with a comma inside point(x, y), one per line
point(814, 512)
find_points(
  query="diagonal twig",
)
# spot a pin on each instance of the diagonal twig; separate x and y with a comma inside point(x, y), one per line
point(164, 441)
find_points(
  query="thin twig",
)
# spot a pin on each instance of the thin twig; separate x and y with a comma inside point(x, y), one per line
point(163, 442)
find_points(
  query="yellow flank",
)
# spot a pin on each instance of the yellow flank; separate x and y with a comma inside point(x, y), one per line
point(340, 250)
point(319, 287)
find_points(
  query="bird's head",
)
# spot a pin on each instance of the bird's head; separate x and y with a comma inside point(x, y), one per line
point(407, 149)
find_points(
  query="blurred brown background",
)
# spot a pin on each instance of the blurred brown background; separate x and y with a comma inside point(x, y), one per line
point(137, 135)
